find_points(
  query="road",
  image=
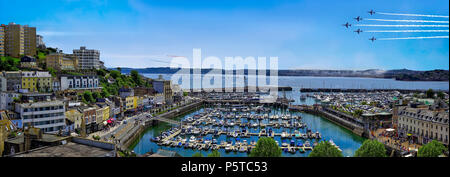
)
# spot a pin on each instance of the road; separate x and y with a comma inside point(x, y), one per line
point(106, 135)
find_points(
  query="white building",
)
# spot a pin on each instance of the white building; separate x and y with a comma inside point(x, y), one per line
point(46, 115)
point(79, 82)
point(87, 58)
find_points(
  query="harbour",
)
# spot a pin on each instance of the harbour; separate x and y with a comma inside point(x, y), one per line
point(234, 134)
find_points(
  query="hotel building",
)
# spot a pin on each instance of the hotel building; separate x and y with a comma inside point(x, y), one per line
point(87, 58)
point(423, 124)
point(41, 111)
point(61, 61)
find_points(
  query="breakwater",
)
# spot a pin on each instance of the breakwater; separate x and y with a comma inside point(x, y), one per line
point(241, 89)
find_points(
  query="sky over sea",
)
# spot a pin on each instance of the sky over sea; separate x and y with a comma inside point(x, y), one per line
point(302, 34)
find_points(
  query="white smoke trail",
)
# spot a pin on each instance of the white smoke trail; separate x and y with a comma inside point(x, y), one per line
point(413, 21)
point(414, 15)
point(428, 37)
point(407, 31)
point(446, 26)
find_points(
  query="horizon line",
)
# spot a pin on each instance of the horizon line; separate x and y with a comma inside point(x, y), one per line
point(282, 69)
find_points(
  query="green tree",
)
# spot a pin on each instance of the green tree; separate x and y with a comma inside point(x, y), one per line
point(197, 154)
point(440, 95)
point(52, 71)
point(96, 95)
point(371, 148)
point(115, 74)
point(214, 153)
point(104, 93)
point(9, 64)
point(87, 97)
point(101, 72)
point(136, 77)
point(266, 147)
point(431, 149)
point(325, 149)
point(430, 93)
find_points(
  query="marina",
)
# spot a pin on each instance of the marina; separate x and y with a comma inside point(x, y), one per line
point(234, 131)
point(214, 122)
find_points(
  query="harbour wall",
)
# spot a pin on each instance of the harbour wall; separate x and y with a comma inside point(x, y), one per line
point(356, 129)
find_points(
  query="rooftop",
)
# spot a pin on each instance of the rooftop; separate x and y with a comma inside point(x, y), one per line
point(49, 138)
point(41, 104)
point(68, 150)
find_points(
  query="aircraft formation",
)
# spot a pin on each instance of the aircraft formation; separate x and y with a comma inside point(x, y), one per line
point(419, 23)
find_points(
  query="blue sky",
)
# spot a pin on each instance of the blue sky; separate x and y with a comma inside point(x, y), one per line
point(303, 34)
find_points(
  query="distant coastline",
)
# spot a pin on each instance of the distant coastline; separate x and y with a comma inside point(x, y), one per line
point(400, 74)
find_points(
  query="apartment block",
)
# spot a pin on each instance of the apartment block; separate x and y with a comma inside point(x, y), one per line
point(2, 41)
point(19, 40)
point(87, 58)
